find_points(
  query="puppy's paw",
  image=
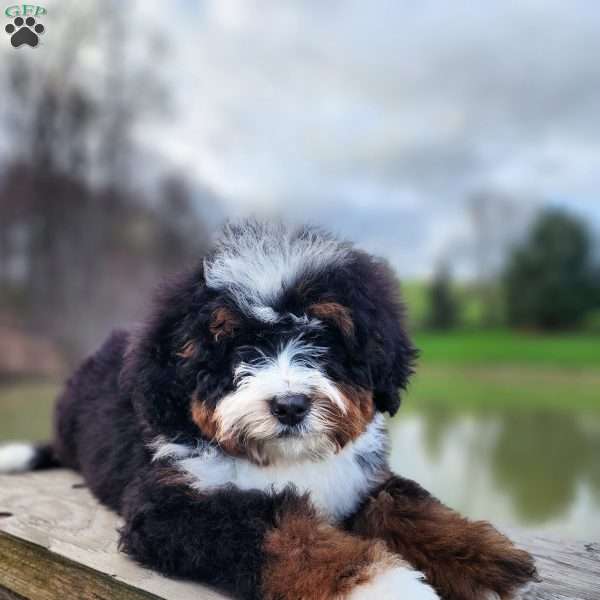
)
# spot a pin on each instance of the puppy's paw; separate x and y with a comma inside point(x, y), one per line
point(526, 591)
point(499, 571)
point(508, 573)
point(397, 583)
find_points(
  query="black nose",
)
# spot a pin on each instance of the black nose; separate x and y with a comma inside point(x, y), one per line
point(290, 409)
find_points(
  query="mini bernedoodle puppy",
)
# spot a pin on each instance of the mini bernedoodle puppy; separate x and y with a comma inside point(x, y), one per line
point(241, 433)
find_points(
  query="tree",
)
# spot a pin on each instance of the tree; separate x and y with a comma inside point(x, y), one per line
point(83, 237)
point(549, 279)
point(443, 309)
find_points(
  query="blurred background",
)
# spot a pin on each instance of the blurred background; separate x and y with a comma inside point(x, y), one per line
point(461, 141)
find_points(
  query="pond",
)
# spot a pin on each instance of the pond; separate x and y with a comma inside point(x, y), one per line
point(533, 470)
point(538, 470)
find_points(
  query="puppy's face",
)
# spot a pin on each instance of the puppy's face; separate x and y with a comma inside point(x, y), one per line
point(295, 387)
point(284, 346)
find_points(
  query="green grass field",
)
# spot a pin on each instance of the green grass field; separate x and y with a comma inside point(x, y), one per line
point(518, 388)
point(495, 348)
point(485, 370)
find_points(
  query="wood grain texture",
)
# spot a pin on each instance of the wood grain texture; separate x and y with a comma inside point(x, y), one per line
point(38, 574)
point(569, 570)
point(69, 540)
point(56, 541)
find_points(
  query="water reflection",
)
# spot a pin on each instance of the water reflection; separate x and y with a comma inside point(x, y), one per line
point(535, 470)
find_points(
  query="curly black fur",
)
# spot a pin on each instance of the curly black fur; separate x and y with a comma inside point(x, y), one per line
point(139, 387)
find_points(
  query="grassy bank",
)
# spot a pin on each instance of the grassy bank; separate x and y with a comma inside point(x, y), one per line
point(515, 388)
point(505, 347)
point(479, 370)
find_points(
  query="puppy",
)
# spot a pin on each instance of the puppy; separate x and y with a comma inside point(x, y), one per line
point(241, 433)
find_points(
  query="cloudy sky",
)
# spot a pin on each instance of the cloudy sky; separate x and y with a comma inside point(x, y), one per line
point(382, 119)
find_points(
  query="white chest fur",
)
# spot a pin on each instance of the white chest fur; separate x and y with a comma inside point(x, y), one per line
point(336, 485)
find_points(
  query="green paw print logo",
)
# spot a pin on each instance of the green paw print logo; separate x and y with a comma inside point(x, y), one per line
point(24, 29)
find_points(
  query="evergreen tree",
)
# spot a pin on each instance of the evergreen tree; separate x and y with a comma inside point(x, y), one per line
point(443, 309)
point(549, 279)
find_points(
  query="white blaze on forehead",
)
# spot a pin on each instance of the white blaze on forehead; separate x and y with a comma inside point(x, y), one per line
point(256, 262)
point(293, 370)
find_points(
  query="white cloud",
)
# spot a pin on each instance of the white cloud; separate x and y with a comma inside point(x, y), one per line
point(379, 118)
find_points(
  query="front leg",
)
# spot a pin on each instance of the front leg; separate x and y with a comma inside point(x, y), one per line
point(256, 545)
point(462, 559)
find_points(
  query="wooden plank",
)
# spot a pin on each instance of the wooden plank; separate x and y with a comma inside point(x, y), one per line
point(56, 541)
point(569, 569)
point(68, 540)
point(38, 574)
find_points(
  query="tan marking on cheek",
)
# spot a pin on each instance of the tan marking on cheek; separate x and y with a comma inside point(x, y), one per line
point(360, 409)
point(360, 399)
point(336, 313)
point(207, 421)
point(204, 417)
point(223, 323)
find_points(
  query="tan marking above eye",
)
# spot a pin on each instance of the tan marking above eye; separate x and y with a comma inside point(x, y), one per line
point(223, 322)
point(334, 312)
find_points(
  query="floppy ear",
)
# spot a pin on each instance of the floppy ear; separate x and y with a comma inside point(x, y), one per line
point(156, 374)
point(392, 374)
point(391, 354)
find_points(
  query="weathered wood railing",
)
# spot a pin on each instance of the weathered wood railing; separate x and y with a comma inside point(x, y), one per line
point(57, 542)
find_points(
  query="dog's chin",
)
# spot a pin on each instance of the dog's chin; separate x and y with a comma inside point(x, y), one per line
point(292, 446)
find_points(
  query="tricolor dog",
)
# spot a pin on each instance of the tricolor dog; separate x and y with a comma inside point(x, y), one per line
point(241, 434)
